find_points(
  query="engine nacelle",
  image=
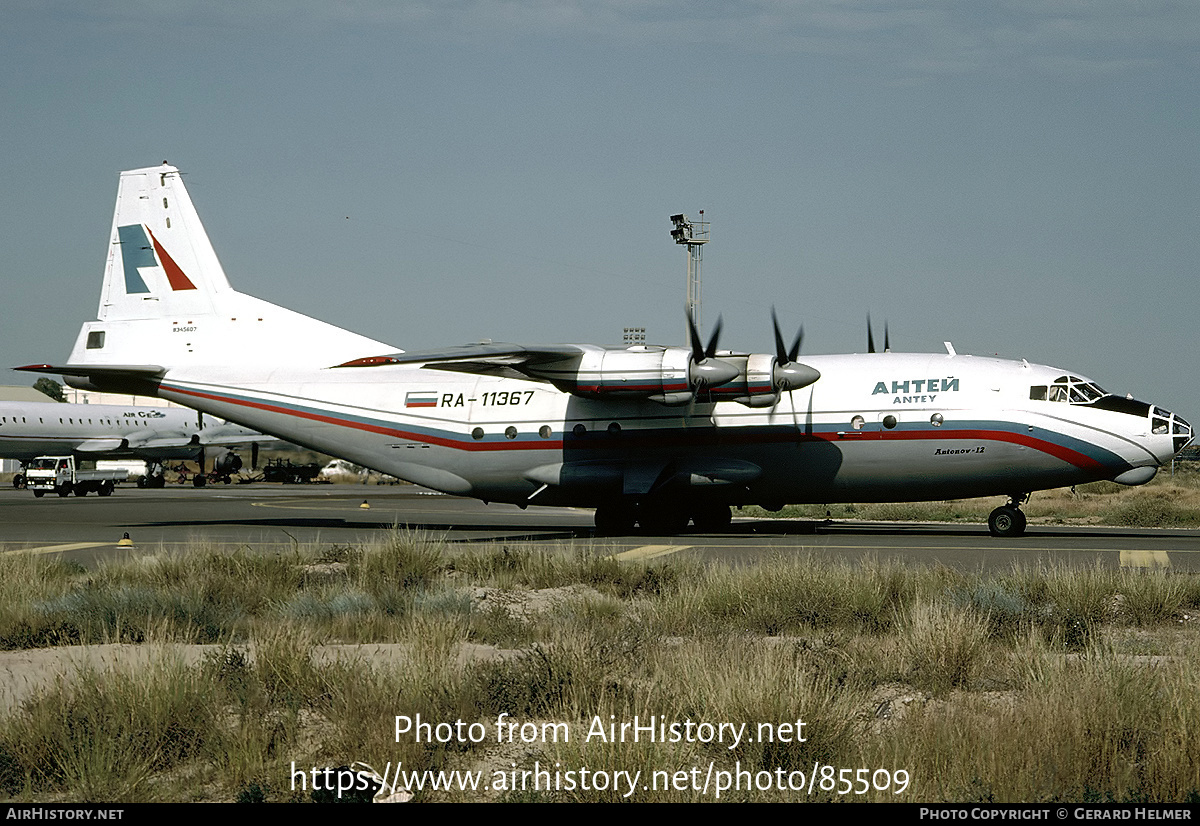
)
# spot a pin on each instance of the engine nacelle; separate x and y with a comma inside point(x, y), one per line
point(658, 373)
point(667, 375)
point(760, 380)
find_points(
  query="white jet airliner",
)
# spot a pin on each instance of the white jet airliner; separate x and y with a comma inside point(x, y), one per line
point(656, 436)
point(105, 431)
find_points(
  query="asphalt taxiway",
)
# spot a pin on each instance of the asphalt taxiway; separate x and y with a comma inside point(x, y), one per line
point(87, 529)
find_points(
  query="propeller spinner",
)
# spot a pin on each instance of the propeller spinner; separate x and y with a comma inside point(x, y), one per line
point(788, 373)
point(705, 369)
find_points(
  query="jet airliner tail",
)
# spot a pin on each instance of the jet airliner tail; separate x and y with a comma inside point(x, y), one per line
point(166, 301)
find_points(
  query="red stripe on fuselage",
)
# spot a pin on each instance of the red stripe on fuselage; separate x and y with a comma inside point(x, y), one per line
point(707, 436)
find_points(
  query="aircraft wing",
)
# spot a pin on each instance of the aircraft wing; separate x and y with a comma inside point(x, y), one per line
point(509, 355)
point(163, 443)
point(231, 435)
point(100, 445)
point(505, 360)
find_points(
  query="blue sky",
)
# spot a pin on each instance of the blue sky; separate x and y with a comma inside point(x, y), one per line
point(1020, 178)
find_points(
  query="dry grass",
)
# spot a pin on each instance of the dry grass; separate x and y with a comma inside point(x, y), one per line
point(1034, 685)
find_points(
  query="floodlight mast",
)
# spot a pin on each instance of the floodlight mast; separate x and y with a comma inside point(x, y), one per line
point(693, 234)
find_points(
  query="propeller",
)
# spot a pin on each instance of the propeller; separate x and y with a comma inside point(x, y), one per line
point(706, 370)
point(887, 346)
point(788, 373)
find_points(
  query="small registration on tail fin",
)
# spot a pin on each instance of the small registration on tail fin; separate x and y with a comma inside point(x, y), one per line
point(165, 296)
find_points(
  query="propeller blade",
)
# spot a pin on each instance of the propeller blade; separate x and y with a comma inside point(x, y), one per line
point(789, 355)
point(870, 338)
point(794, 353)
point(887, 347)
point(781, 355)
point(694, 341)
point(711, 349)
point(254, 455)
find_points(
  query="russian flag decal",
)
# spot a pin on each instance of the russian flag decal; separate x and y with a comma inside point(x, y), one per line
point(421, 398)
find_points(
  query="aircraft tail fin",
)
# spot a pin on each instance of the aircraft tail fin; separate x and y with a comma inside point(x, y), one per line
point(166, 298)
point(159, 256)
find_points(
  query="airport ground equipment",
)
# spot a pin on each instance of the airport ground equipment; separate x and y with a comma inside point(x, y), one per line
point(62, 475)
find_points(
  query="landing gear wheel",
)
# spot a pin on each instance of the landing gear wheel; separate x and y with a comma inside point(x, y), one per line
point(712, 518)
point(19, 481)
point(662, 520)
point(1006, 521)
point(106, 489)
point(199, 481)
point(615, 518)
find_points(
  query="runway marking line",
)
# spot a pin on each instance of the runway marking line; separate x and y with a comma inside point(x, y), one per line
point(57, 549)
point(1145, 559)
point(649, 552)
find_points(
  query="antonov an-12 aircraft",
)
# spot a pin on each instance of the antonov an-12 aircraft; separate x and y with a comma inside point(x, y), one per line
point(650, 436)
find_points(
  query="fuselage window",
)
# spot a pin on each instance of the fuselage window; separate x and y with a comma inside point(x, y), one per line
point(1037, 393)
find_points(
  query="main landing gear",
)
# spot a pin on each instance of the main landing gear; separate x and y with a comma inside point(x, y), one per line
point(1008, 520)
point(660, 518)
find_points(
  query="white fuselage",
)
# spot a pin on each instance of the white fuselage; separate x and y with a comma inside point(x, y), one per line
point(963, 426)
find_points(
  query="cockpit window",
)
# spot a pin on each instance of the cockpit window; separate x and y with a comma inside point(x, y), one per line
point(1160, 422)
point(1071, 389)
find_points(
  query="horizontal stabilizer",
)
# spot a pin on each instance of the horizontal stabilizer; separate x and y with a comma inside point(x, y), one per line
point(138, 379)
point(140, 371)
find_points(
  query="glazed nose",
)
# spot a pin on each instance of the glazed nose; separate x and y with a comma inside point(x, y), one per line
point(1164, 422)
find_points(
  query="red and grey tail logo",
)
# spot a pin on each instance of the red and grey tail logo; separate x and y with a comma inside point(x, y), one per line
point(139, 248)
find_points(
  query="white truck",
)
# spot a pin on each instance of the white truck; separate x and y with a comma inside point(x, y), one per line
point(62, 475)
